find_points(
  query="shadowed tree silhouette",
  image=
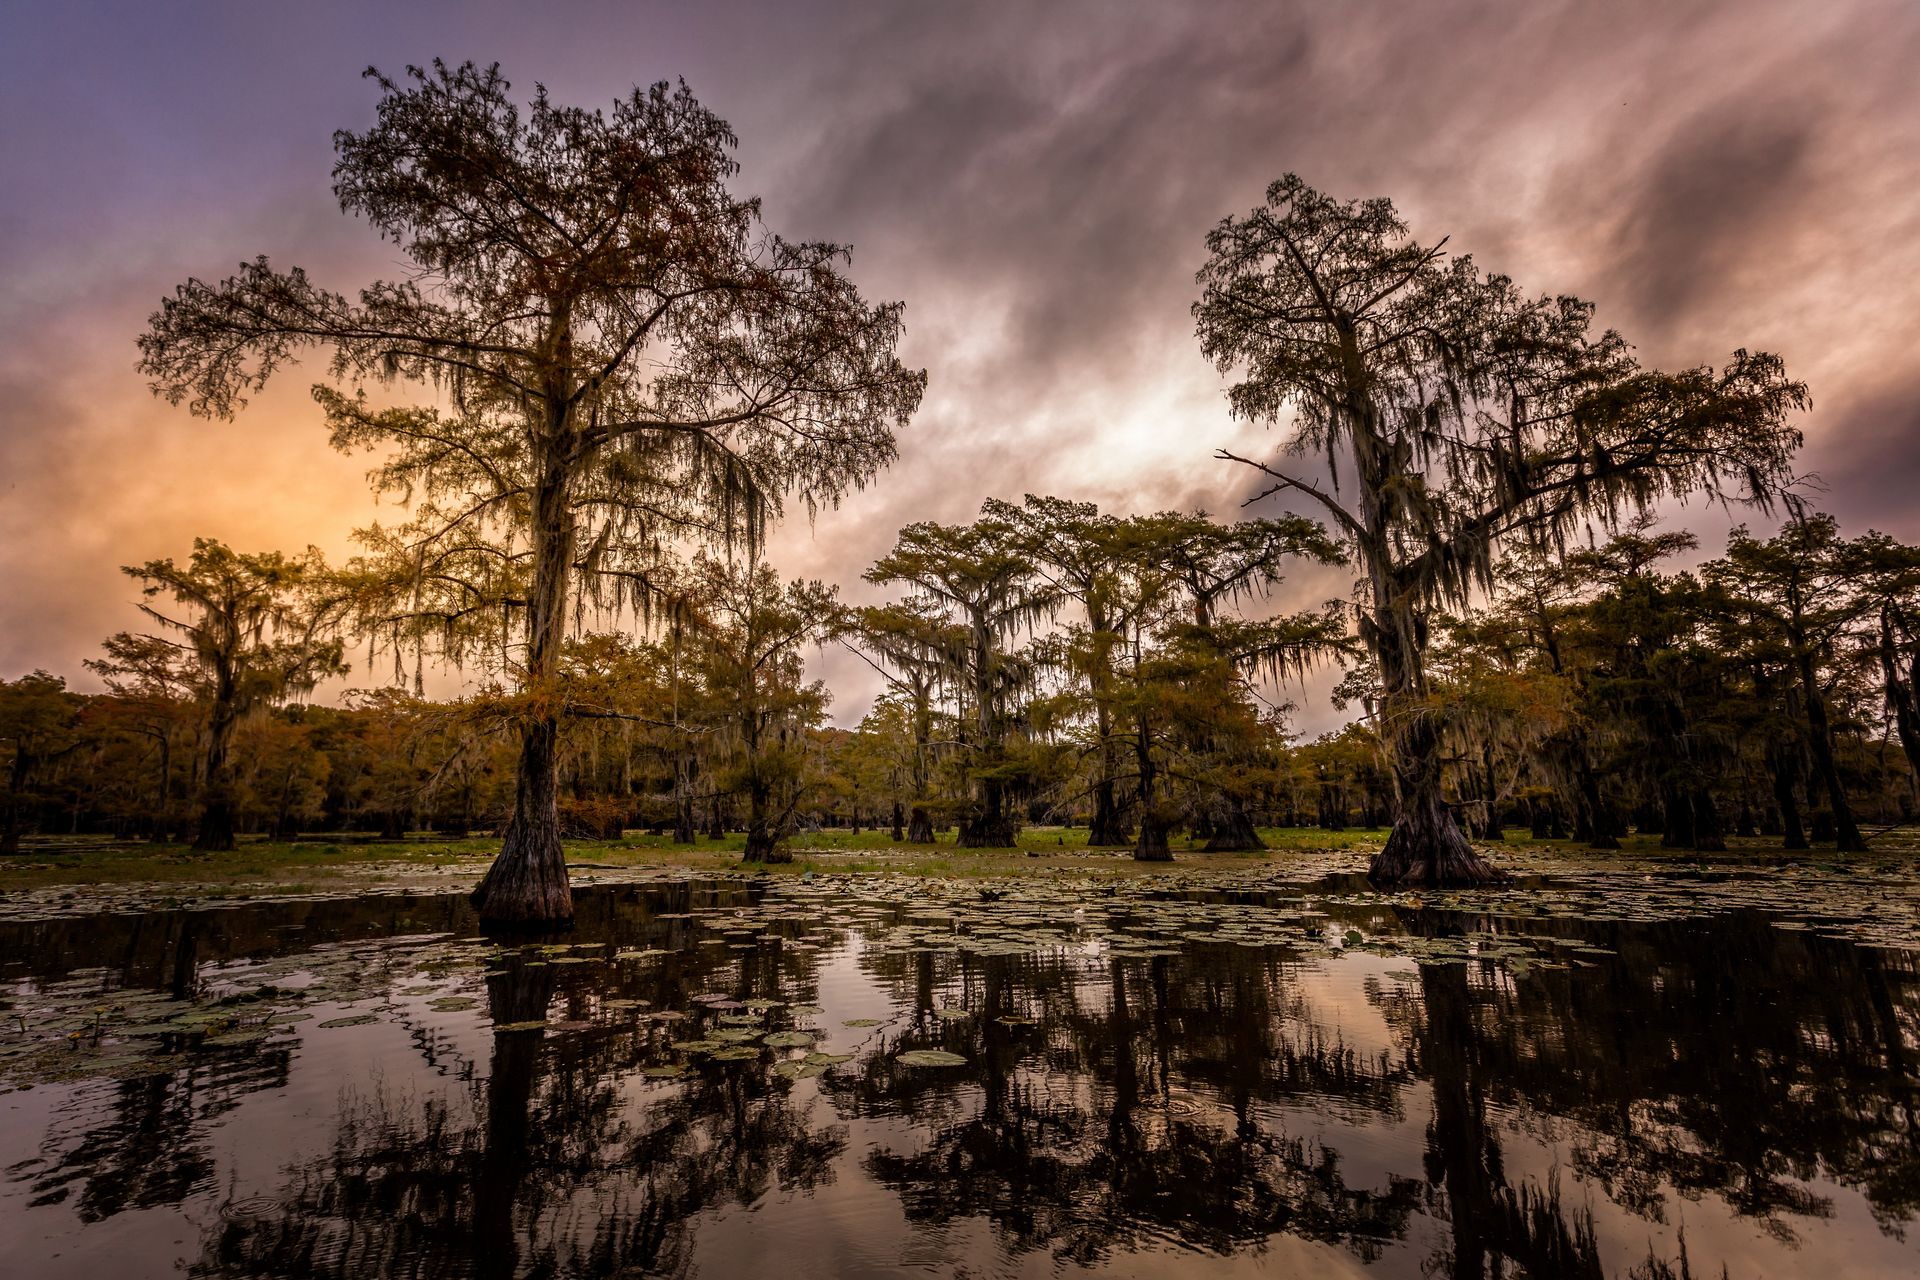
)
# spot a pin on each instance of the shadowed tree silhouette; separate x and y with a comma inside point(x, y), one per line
point(625, 359)
point(1456, 412)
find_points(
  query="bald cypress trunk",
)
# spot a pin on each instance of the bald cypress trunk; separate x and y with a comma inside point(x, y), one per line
point(16, 787)
point(527, 883)
point(1152, 845)
point(1592, 814)
point(1426, 845)
point(1847, 837)
point(988, 827)
point(1900, 692)
point(1106, 827)
point(1785, 780)
point(215, 832)
point(763, 842)
point(1235, 832)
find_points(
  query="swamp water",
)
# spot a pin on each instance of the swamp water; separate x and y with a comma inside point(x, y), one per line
point(862, 1076)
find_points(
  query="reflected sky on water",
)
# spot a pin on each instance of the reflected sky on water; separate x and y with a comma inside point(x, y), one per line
point(1222, 1084)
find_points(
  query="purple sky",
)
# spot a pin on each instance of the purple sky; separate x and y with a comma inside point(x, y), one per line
point(1033, 179)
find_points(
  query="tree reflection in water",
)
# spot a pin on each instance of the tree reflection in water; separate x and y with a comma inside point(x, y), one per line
point(1503, 1122)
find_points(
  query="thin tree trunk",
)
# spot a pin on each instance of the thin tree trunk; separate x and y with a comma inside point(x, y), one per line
point(1847, 837)
point(1900, 694)
point(163, 810)
point(16, 785)
point(216, 807)
point(1785, 778)
point(988, 827)
point(683, 832)
point(1152, 845)
point(1493, 829)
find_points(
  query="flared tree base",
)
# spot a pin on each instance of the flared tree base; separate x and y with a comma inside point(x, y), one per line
point(1235, 834)
point(1152, 845)
point(527, 884)
point(1432, 855)
point(215, 832)
point(764, 849)
point(920, 827)
point(986, 833)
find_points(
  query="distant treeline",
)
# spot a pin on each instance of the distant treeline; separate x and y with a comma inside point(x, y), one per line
point(602, 378)
point(1075, 668)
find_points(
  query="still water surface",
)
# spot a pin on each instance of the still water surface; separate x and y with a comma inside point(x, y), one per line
point(1213, 1084)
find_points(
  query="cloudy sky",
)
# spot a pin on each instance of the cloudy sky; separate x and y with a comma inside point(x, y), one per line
point(1034, 179)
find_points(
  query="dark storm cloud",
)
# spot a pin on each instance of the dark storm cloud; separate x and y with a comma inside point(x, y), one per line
point(1871, 452)
point(1034, 180)
point(1719, 188)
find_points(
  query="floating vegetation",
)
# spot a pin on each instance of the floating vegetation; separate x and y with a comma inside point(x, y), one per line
point(1224, 972)
point(930, 1058)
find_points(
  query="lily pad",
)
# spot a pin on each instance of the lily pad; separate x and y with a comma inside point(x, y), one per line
point(930, 1058)
point(797, 1069)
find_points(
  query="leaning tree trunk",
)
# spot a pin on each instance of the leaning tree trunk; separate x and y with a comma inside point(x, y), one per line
point(527, 883)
